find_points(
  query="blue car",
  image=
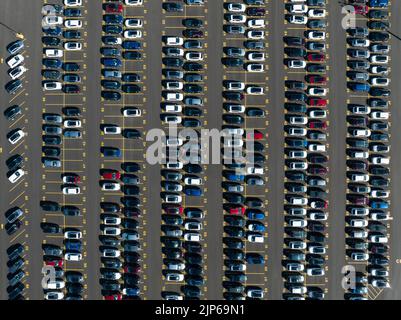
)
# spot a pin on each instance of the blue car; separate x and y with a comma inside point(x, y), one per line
point(379, 205)
point(132, 292)
point(56, 31)
point(378, 3)
point(255, 215)
point(232, 176)
point(113, 18)
point(73, 245)
point(252, 258)
point(111, 62)
point(131, 45)
point(15, 47)
point(112, 29)
point(111, 152)
point(52, 63)
point(193, 191)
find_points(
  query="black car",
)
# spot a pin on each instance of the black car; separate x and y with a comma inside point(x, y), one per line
point(48, 227)
point(173, 7)
point(11, 228)
point(192, 23)
point(15, 251)
point(11, 113)
point(14, 162)
point(71, 111)
point(379, 36)
point(294, 41)
point(71, 66)
point(51, 41)
point(49, 206)
point(192, 33)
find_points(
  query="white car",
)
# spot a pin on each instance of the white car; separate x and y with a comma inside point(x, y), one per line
point(16, 175)
point(235, 86)
point(317, 13)
point(73, 3)
point(172, 119)
point(361, 133)
point(255, 238)
point(296, 64)
point(132, 34)
point(298, 120)
point(317, 147)
point(73, 256)
point(111, 253)
point(380, 194)
point(72, 123)
point(317, 91)
point(380, 115)
point(56, 284)
point(236, 18)
point(381, 160)
point(318, 216)
point(52, 85)
point(176, 277)
point(360, 177)
point(298, 223)
point(16, 136)
point(174, 142)
point(54, 53)
point(317, 249)
point(175, 165)
point(174, 85)
point(111, 221)
point(112, 130)
point(255, 170)
point(17, 72)
point(379, 82)
point(71, 190)
point(53, 20)
point(378, 238)
point(379, 59)
point(252, 90)
point(298, 19)
point(256, 23)
point(15, 61)
point(316, 35)
point(256, 56)
point(255, 34)
point(194, 56)
point(73, 46)
point(111, 186)
point(174, 41)
point(172, 198)
point(313, 272)
point(193, 226)
point(192, 181)
point(359, 256)
point(133, 23)
point(175, 108)
point(235, 108)
point(133, 2)
point(298, 8)
point(174, 96)
point(132, 112)
point(54, 295)
point(255, 67)
point(73, 24)
point(236, 7)
point(111, 231)
point(192, 237)
point(73, 235)
point(359, 223)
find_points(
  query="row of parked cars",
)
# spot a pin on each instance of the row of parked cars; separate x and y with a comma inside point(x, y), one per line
point(182, 174)
point(306, 154)
point(62, 34)
point(244, 216)
point(16, 271)
point(120, 239)
point(15, 162)
point(368, 147)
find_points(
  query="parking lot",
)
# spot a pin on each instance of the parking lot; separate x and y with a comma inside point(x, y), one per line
point(305, 102)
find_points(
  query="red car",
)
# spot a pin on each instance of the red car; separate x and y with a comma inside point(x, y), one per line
point(174, 209)
point(256, 135)
point(315, 57)
point(111, 175)
point(317, 170)
point(313, 78)
point(54, 262)
point(114, 8)
point(132, 269)
point(317, 102)
point(360, 9)
point(114, 297)
point(237, 210)
point(317, 125)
